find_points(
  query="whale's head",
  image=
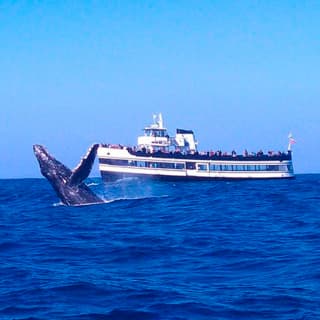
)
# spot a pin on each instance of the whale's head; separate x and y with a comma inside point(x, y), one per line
point(49, 166)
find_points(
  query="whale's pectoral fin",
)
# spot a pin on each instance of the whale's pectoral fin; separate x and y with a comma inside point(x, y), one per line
point(83, 169)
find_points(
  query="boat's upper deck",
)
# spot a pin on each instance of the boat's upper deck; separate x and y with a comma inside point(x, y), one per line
point(260, 156)
point(210, 155)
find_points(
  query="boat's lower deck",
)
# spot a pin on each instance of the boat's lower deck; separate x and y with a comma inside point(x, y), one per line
point(120, 163)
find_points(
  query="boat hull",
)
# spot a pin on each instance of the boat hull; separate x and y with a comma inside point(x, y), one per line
point(110, 176)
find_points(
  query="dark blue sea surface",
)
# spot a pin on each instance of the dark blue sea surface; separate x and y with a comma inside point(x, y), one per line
point(162, 250)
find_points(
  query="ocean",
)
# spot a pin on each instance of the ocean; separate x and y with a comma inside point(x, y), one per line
point(162, 250)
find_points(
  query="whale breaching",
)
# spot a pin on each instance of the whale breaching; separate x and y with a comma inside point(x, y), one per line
point(67, 183)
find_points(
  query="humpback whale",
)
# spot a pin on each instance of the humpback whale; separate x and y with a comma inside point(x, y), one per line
point(68, 184)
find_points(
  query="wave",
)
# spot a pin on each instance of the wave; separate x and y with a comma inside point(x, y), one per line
point(91, 184)
point(121, 314)
point(209, 250)
point(135, 198)
point(107, 201)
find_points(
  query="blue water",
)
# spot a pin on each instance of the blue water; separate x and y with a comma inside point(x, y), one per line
point(157, 250)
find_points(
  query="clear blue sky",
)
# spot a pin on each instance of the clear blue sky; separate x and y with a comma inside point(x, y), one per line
point(242, 74)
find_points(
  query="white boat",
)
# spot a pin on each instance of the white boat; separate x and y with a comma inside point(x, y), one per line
point(157, 155)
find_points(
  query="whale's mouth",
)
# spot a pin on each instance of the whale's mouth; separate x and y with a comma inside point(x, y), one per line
point(38, 148)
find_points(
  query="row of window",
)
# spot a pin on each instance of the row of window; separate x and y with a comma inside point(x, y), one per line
point(260, 167)
point(155, 133)
point(143, 164)
point(193, 165)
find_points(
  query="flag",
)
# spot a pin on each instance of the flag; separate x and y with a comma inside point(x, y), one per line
point(291, 139)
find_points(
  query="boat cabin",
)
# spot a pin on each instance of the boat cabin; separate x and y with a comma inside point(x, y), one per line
point(155, 137)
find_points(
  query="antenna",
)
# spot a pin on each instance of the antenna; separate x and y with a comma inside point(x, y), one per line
point(160, 120)
point(154, 116)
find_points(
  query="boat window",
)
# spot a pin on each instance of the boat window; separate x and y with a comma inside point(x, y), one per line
point(141, 164)
point(114, 162)
point(190, 165)
point(179, 165)
point(166, 165)
point(151, 164)
point(202, 166)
